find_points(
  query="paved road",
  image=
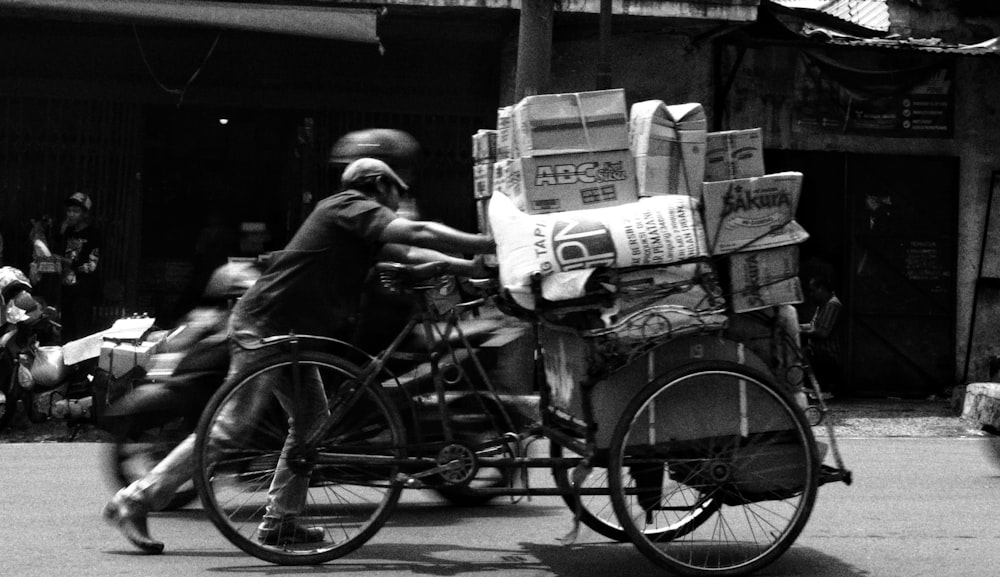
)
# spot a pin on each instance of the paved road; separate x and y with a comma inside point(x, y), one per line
point(919, 506)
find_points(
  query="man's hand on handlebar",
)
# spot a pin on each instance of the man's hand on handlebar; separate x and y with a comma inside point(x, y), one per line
point(479, 269)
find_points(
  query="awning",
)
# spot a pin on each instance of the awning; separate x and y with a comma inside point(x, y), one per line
point(798, 19)
point(348, 24)
point(870, 14)
point(936, 45)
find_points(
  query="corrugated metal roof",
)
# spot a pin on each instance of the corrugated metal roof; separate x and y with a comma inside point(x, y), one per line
point(990, 47)
point(813, 22)
point(871, 14)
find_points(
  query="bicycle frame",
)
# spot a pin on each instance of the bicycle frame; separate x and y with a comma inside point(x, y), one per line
point(439, 345)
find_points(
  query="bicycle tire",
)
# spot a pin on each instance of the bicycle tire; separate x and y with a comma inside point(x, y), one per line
point(724, 447)
point(350, 502)
point(597, 510)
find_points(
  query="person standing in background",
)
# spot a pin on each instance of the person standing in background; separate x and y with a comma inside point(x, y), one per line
point(823, 337)
point(80, 246)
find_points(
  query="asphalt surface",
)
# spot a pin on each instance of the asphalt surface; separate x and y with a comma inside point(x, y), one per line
point(850, 418)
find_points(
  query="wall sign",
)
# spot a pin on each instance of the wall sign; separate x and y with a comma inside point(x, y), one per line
point(913, 102)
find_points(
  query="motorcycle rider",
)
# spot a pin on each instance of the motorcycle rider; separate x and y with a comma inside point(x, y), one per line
point(323, 267)
point(193, 358)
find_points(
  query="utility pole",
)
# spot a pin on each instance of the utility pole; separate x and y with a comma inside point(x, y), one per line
point(604, 77)
point(534, 48)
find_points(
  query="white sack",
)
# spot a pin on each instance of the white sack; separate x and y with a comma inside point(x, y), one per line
point(653, 231)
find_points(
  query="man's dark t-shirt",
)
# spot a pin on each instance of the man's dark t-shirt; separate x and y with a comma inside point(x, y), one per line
point(313, 286)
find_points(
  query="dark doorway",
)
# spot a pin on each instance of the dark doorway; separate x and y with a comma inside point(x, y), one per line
point(887, 225)
point(206, 171)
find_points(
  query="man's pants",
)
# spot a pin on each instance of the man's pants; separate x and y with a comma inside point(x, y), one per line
point(306, 407)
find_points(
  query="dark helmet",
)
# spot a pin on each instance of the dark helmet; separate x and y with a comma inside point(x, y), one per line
point(231, 280)
point(396, 148)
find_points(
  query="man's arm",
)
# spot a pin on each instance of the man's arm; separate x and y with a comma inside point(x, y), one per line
point(435, 236)
point(417, 255)
point(824, 322)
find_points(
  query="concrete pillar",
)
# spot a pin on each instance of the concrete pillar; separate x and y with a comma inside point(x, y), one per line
point(604, 76)
point(534, 48)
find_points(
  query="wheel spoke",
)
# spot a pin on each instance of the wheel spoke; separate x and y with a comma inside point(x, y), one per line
point(731, 498)
point(343, 503)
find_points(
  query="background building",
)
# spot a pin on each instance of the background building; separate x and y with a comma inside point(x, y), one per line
point(169, 113)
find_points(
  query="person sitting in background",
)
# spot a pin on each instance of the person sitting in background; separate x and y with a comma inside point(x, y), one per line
point(822, 337)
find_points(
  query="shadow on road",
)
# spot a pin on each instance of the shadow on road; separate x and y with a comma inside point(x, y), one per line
point(445, 555)
point(529, 559)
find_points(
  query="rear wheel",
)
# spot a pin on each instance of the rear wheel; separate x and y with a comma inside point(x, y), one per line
point(593, 506)
point(596, 510)
point(720, 458)
point(351, 474)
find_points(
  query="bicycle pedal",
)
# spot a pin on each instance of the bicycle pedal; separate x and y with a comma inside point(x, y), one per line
point(409, 482)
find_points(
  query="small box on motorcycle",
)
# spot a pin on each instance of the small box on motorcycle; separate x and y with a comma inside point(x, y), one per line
point(129, 343)
point(118, 358)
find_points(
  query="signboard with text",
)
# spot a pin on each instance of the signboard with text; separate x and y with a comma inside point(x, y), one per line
point(912, 107)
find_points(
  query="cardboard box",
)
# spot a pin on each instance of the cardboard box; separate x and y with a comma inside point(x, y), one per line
point(556, 183)
point(765, 278)
point(733, 154)
point(753, 213)
point(89, 347)
point(504, 133)
point(499, 179)
point(483, 215)
point(119, 358)
point(575, 122)
point(484, 145)
point(669, 147)
point(482, 180)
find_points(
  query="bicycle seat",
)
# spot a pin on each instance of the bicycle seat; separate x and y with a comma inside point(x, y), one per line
point(397, 277)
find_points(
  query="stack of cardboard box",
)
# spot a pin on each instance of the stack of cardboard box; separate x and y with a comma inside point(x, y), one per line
point(484, 156)
point(750, 218)
point(559, 152)
point(568, 152)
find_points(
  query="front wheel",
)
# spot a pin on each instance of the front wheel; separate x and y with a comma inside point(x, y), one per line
point(348, 480)
point(722, 460)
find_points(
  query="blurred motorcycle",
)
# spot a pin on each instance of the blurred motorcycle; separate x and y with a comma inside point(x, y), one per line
point(19, 312)
point(163, 402)
point(32, 372)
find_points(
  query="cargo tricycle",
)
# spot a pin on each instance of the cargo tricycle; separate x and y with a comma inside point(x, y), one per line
point(663, 430)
